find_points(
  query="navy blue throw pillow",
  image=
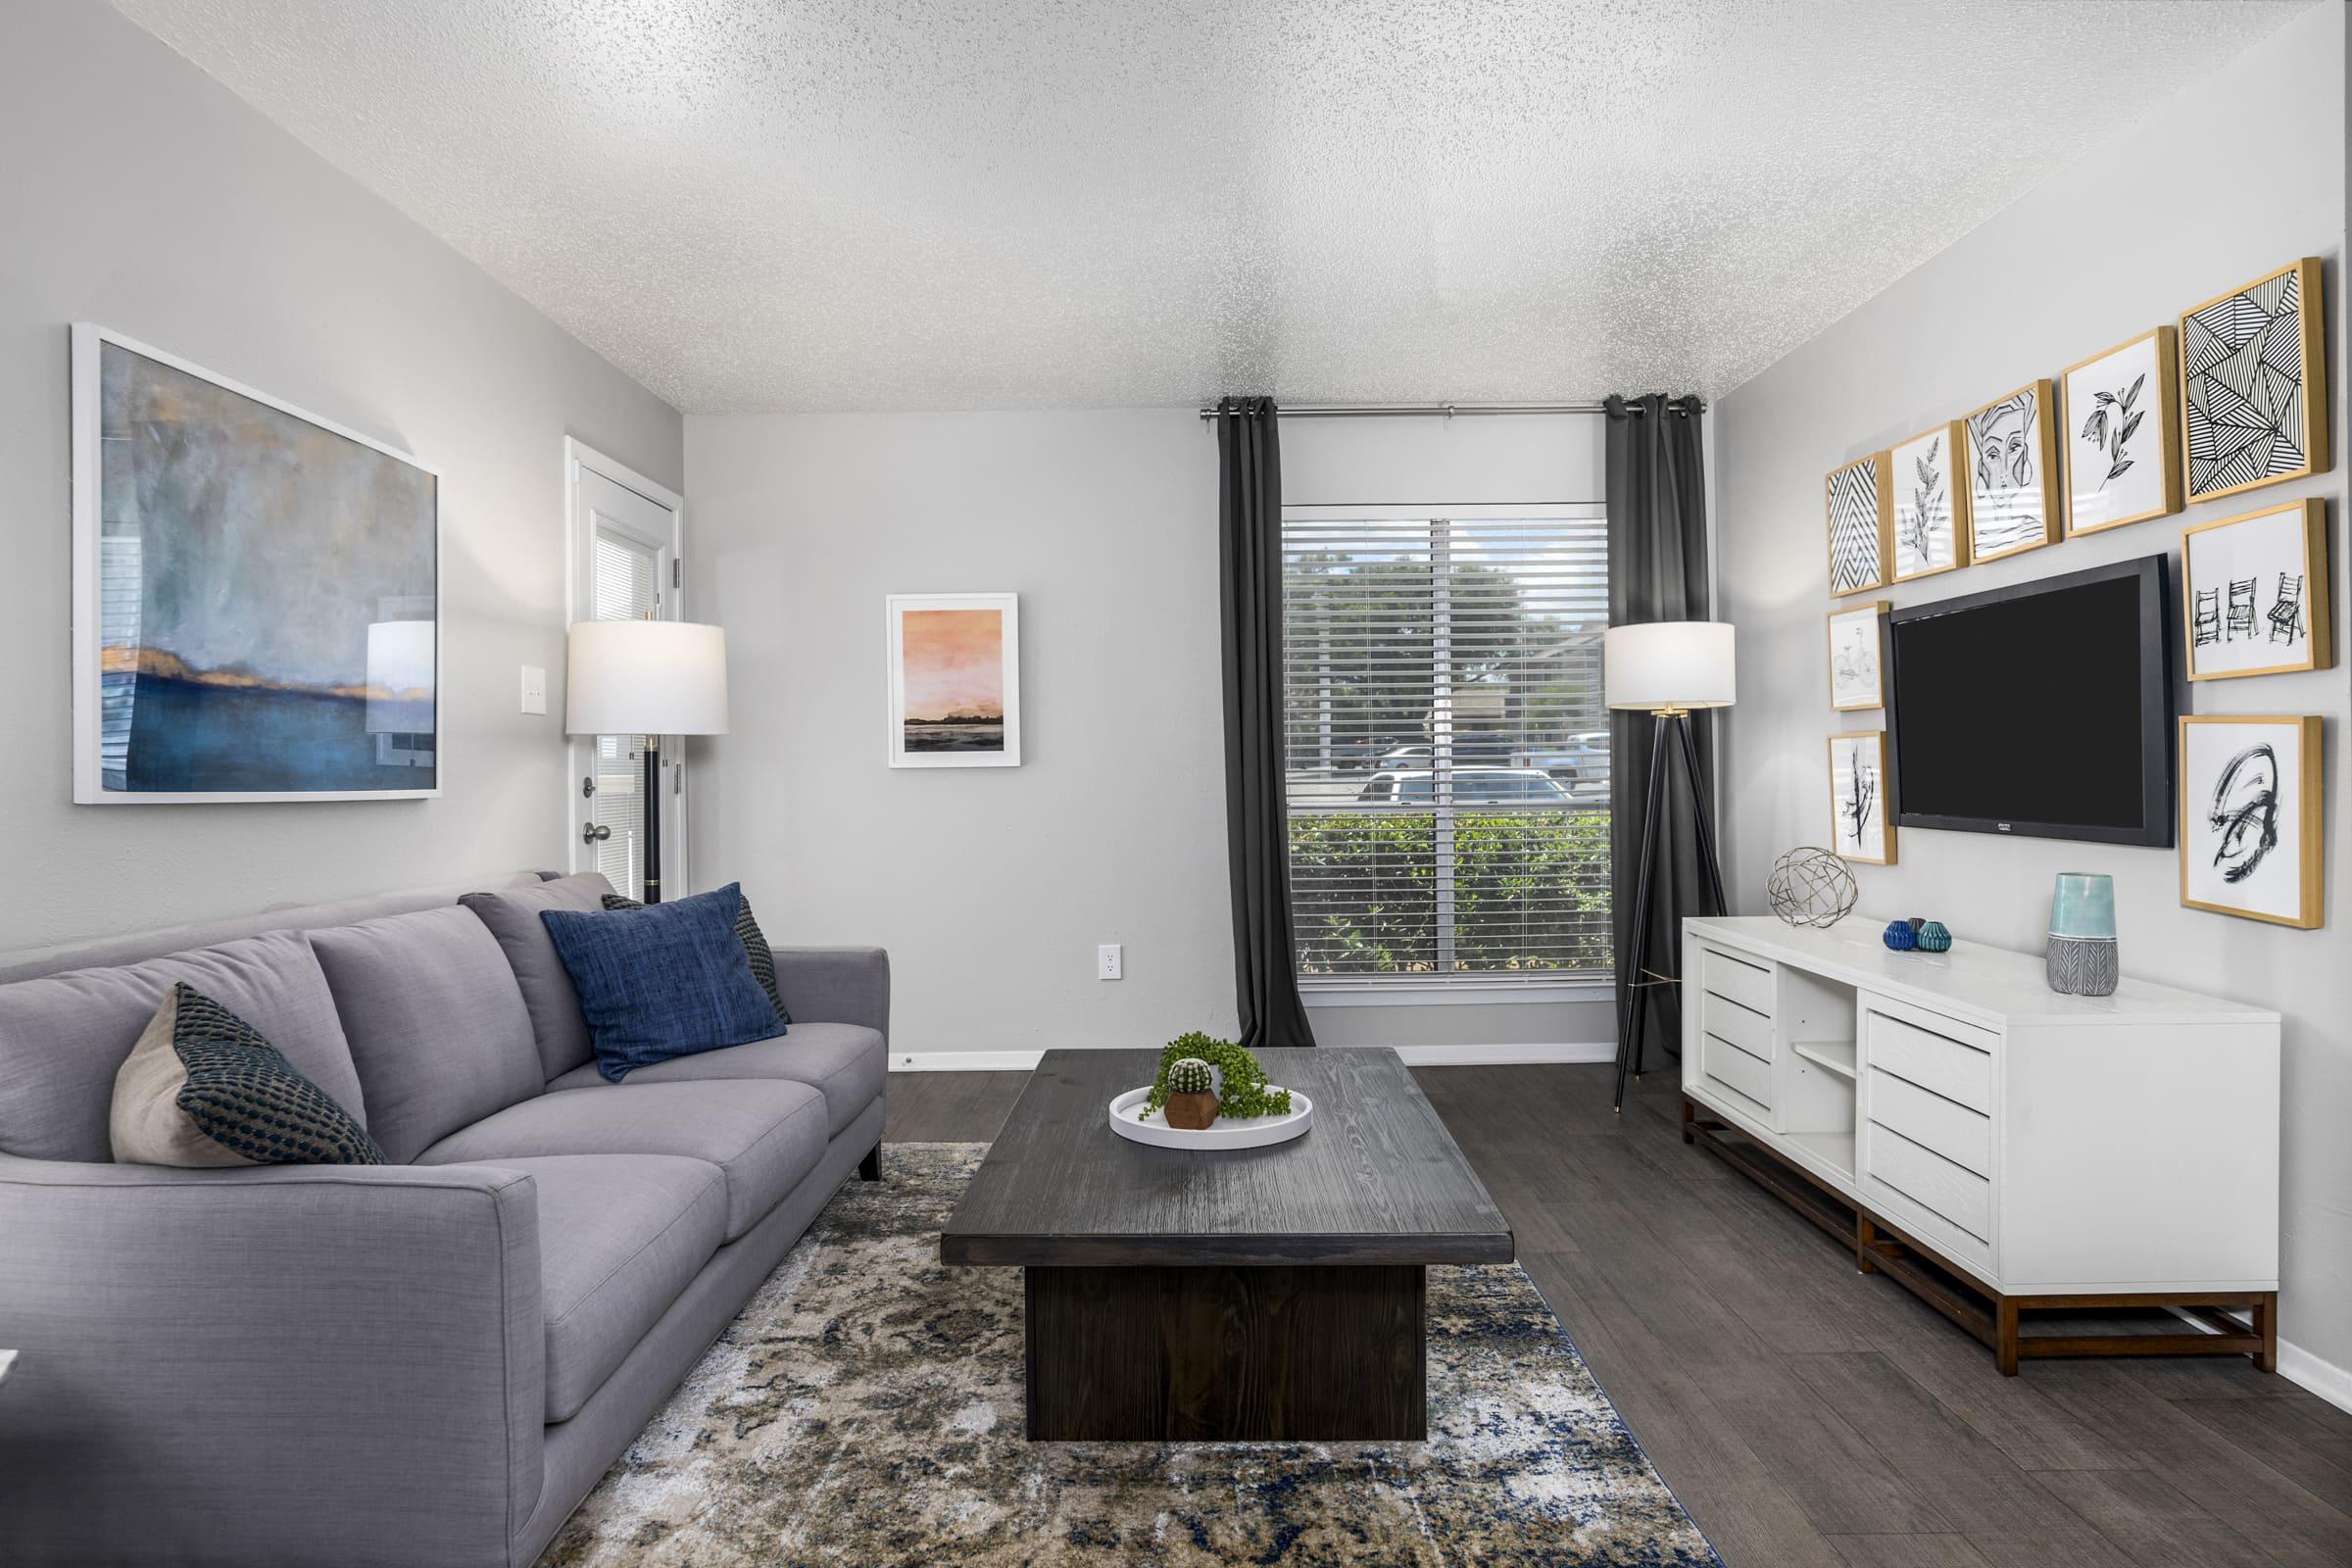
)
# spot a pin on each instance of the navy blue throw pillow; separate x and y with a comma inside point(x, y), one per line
point(667, 980)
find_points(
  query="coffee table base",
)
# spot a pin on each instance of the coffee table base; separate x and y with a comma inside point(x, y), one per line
point(1326, 1354)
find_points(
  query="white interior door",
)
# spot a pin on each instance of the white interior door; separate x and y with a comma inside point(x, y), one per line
point(624, 553)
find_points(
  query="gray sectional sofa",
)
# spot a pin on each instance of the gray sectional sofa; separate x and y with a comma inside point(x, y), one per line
point(430, 1361)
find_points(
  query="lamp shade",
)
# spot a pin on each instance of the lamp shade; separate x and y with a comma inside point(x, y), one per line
point(1668, 663)
point(646, 677)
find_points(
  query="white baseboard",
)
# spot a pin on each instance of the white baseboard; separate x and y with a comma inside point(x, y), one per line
point(1414, 1056)
point(2325, 1378)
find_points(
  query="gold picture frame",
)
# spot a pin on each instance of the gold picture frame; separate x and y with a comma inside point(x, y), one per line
point(2212, 615)
point(1870, 802)
point(1848, 492)
point(2111, 414)
point(2013, 472)
point(1910, 472)
point(2212, 336)
point(2233, 817)
point(1876, 610)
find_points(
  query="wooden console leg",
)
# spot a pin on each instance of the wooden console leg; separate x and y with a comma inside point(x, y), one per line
point(2266, 1324)
point(1865, 1242)
point(2004, 1330)
point(1689, 1115)
point(870, 1169)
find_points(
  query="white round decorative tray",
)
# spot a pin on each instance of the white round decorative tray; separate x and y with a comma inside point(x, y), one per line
point(1253, 1133)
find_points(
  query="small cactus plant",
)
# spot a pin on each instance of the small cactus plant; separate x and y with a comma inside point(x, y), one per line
point(1191, 1076)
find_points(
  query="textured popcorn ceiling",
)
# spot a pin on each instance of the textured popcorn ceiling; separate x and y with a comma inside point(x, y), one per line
point(853, 204)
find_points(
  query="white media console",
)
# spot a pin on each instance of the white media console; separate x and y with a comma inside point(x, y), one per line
point(2038, 1151)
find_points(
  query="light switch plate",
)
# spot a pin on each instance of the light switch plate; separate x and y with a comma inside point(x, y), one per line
point(534, 689)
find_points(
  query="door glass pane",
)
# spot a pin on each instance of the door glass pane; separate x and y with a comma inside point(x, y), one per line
point(624, 589)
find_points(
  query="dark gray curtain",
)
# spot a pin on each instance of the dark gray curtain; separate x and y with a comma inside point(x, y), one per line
point(1657, 571)
point(1257, 845)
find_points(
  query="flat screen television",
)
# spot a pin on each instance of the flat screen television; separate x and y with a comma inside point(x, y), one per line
point(2045, 709)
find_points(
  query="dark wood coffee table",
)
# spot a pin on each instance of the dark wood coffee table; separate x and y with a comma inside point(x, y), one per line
point(1261, 1293)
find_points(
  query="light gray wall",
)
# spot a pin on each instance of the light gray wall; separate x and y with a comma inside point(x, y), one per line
point(138, 193)
point(992, 887)
point(2163, 216)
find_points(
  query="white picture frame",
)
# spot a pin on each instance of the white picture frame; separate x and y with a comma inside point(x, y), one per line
point(2254, 593)
point(2252, 838)
point(954, 670)
point(1861, 798)
point(1857, 638)
point(96, 738)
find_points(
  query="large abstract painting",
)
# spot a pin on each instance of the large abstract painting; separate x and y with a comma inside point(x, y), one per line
point(2121, 413)
point(2250, 830)
point(2012, 472)
point(1860, 503)
point(256, 594)
point(2256, 593)
point(954, 680)
point(2253, 383)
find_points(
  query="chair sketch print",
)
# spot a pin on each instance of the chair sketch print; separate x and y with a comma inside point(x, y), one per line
point(2286, 612)
point(2205, 625)
point(2241, 607)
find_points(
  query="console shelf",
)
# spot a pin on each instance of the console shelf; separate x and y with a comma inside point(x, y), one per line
point(2000, 1148)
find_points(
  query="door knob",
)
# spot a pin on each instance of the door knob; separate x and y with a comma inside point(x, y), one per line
point(594, 832)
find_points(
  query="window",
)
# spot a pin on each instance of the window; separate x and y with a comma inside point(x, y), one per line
point(1448, 748)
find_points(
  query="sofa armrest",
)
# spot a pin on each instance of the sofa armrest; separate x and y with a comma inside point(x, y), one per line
point(836, 985)
point(269, 1364)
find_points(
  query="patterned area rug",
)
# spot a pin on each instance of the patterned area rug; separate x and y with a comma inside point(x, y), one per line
point(866, 1410)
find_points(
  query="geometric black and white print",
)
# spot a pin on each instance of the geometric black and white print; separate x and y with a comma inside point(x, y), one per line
point(2242, 360)
point(1854, 531)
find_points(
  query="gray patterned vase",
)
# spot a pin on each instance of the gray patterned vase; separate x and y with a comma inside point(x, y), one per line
point(2081, 958)
point(2081, 967)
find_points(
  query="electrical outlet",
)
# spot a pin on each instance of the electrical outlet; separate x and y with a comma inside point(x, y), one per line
point(1108, 961)
point(534, 689)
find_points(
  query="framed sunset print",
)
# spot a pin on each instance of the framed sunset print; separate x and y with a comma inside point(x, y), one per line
point(2254, 383)
point(2255, 593)
point(2121, 413)
point(954, 680)
point(2011, 468)
point(2251, 837)
point(1931, 511)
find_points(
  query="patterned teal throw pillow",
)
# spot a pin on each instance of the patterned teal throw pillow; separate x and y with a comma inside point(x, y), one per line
point(203, 1088)
point(754, 948)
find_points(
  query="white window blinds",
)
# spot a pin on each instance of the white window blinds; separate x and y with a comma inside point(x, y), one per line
point(1448, 749)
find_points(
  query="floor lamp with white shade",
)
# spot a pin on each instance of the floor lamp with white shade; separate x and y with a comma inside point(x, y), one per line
point(1667, 670)
point(651, 679)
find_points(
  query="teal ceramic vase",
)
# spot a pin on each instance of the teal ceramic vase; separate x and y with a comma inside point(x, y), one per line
point(2082, 959)
point(1935, 937)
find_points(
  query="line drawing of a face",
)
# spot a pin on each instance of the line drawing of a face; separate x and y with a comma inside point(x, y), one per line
point(2004, 440)
point(2244, 814)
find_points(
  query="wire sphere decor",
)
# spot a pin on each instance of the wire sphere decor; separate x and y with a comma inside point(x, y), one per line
point(1811, 886)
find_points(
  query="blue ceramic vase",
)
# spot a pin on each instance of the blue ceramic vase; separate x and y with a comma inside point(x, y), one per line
point(1900, 936)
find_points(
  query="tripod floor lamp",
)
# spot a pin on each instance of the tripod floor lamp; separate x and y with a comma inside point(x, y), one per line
point(651, 679)
point(1666, 670)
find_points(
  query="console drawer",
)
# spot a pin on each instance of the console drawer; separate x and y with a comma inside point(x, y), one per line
point(1960, 1197)
point(1947, 1127)
point(1939, 1062)
point(1742, 980)
point(1728, 1064)
point(1744, 1027)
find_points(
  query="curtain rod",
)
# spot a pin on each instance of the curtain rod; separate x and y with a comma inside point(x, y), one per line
point(1339, 411)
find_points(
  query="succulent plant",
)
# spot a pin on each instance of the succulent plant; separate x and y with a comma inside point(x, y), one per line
point(1190, 1076)
point(1241, 1085)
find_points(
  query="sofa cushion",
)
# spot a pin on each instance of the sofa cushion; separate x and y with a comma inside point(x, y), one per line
point(64, 1036)
point(846, 1063)
point(764, 1135)
point(557, 1025)
point(202, 1089)
point(663, 981)
point(755, 947)
point(436, 1023)
point(619, 1236)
